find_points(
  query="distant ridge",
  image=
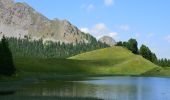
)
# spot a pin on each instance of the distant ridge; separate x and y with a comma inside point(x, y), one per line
point(22, 21)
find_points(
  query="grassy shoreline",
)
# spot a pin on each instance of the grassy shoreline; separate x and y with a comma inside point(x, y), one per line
point(53, 76)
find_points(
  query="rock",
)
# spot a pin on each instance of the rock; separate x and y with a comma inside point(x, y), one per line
point(20, 20)
point(108, 40)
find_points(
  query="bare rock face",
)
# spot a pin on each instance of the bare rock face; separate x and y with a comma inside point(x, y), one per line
point(108, 40)
point(20, 20)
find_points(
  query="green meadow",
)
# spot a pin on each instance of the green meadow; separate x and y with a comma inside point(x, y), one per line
point(108, 61)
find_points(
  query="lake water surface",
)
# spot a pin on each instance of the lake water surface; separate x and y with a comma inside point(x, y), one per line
point(106, 88)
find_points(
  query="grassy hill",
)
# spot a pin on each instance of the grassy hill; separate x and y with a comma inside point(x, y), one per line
point(116, 60)
point(108, 61)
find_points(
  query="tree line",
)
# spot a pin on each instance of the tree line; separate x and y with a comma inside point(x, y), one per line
point(144, 51)
point(164, 62)
point(17, 47)
point(36, 48)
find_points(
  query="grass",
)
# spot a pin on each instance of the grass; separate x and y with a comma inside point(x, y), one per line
point(108, 61)
point(116, 60)
point(160, 72)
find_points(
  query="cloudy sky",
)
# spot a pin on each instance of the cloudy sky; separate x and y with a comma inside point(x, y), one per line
point(146, 20)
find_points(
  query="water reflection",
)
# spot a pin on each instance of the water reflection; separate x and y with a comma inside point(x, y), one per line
point(3, 93)
point(108, 88)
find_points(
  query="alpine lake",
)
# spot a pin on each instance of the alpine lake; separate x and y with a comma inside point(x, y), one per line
point(88, 88)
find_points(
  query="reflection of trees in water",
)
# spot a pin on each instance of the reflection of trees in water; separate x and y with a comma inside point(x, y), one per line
point(131, 88)
point(78, 89)
point(59, 89)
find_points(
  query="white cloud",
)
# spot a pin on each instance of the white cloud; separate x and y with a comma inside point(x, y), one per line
point(99, 30)
point(168, 38)
point(113, 34)
point(88, 7)
point(108, 2)
point(85, 30)
point(124, 27)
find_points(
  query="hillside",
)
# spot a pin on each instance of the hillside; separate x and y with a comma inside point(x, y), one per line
point(21, 20)
point(116, 60)
point(108, 61)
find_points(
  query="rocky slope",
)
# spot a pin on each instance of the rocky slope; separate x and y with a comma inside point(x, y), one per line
point(108, 40)
point(21, 21)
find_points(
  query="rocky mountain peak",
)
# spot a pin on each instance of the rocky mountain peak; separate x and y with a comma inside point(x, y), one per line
point(66, 22)
point(6, 2)
point(21, 20)
point(108, 40)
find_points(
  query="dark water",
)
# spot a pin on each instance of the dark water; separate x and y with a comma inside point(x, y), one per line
point(107, 88)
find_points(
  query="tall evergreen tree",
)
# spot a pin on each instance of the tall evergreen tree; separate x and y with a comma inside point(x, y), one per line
point(154, 58)
point(6, 60)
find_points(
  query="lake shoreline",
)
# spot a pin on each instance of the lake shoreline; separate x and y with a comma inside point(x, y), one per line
point(18, 77)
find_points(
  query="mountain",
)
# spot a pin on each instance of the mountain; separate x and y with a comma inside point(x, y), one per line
point(108, 40)
point(22, 21)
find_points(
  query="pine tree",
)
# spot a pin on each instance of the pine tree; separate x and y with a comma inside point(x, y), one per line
point(154, 58)
point(6, 60)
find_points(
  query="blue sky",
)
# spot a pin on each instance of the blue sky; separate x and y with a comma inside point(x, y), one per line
point(146, 20)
